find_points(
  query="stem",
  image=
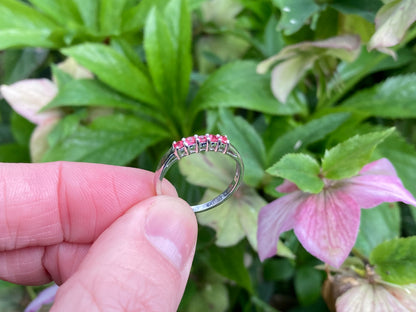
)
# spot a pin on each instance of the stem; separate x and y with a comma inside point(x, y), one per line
point(31, 292)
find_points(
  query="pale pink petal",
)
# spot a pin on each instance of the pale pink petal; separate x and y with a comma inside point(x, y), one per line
point(274, 219)
point(27, 97)
point(287, 74)
point(46, 296)
point(369, 297)
point(287, 187)
point(70, 66)
point(406, 295)
point(392, 22)
point(372, 190)
point(382, 167)
point(39, 139)
point(327, 225)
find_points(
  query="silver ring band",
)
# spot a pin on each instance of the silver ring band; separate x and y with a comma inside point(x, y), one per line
point(197, 144)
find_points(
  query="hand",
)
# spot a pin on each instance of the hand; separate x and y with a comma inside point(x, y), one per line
point(99, 231)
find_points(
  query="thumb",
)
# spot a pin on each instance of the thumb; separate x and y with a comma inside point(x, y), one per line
point(140, 263)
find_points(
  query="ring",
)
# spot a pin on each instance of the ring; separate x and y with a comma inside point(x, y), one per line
point(194, 145)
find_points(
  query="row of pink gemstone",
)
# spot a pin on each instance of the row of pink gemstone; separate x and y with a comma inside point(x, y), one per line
point(202, 139)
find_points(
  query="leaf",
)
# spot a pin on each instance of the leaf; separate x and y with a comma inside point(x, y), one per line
point(212, 297)
point(301, 169)
point(395, 260)
point(12, 38)
point(376, 226)
point(88, 10)
point(364, 8)
point(347, 158)
point(114, 139)
point(295, 13)
point(14, 153)
point(308, 282)
point(135, 17)
point(303, 135)
point(88, 92)
point(63, 12)
point(229, 262)
point(21, 129)
point(238, 85)
point(110, 16)
point(114, 69)
point(393, 98)
point(19, 64)
point(249, 144)
point(167, 47)
point(236, 218)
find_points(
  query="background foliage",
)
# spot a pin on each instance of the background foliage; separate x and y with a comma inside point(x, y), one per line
point(163, 70)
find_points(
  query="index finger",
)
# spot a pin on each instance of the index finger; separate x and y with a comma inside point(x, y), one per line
point(50, 203)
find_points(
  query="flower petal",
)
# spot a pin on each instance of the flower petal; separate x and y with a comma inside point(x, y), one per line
point(327, 225)
point(369, 297)
point(406, 295)
point(287, 187)
point(39, 139)
point(274, 219)
point(382, 167)
point(27, 97)
point(287, 74)
point(46, 296)
point(376, 184)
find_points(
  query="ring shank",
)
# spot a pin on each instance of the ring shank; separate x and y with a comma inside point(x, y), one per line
point(169, 159)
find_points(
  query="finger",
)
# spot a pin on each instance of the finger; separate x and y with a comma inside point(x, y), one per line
point(140, 263)
point(45, 204)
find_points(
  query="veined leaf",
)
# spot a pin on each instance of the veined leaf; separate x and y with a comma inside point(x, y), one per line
point(88, 10)
point(114, 69)
point(238, 85)
point(114, 139)
point(347, 158)
point(63, 12)
point(395, 260)
point(110, 16)
point(301, 169)
point(393, 98)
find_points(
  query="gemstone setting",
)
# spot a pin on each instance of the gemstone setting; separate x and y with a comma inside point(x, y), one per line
point(200, 143)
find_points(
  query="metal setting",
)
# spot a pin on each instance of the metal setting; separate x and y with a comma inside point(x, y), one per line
point(194, 145)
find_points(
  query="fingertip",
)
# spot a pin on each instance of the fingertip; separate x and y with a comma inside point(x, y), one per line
point(168, 189)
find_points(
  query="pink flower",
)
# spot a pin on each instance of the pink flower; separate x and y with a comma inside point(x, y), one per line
point(327, 223)
point(46, 296)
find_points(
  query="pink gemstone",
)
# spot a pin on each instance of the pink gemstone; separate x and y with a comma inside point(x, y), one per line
point(178, 144)
point(202, 139)
point(190, 140)
point(213, 138)
point(224, 139)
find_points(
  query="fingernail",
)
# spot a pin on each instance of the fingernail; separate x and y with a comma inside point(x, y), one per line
point(170, 231)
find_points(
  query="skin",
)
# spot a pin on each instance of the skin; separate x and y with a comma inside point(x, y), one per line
point(99, 231)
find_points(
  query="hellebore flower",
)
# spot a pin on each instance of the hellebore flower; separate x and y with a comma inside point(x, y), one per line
point(295, 60)
point(327, 223)
point(392, 21)
point(46, 296)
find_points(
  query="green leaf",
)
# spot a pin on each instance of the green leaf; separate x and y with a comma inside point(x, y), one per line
point(14, 153)
point(19, 64)
point(376, 226)
point(229, 262)
point(110, 16)
point(347, 158)
point(114, 139)
point(212, 297)
point(15, 38)
point(364, 8)
point(301, 169)
point(308, 283)
point(63, 12)
point(303, 135)
point(135, 17)
point(21, 129)
point(295, 13)
point(88, 10)
point(248, 142)
point(114, 69)
point(18, 15)
point(393, 98)
point(395, 260)
point(167, 47)
point(60, 77)
point(88, 92)
point(278, 269)
point(238, 85)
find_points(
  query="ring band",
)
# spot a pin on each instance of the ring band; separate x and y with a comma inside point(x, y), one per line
point(197, 144)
